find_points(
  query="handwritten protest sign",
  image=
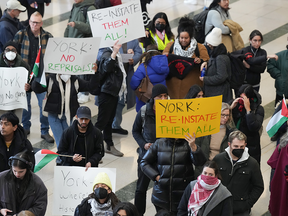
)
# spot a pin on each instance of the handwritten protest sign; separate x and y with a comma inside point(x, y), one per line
point(72, 56)
point(12, 93)
point(123, 22)
point(73, 184)
point(176, 118)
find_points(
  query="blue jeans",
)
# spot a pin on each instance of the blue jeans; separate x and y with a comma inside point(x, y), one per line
point(27, 114)
point(118, 115)
point(57, 126)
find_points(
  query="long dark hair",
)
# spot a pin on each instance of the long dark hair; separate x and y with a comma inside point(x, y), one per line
point(24, 183)
point(255, 33)
point(129, 208)
point(193, 91)
point(214, 4)
point(213, 165)
point(151, 51)
point(168, 31)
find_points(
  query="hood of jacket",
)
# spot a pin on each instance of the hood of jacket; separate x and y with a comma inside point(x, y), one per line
point(158, 64)
point(244, 156)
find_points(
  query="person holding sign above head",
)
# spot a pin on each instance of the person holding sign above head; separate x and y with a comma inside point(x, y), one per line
point(61, 103)
point(185, 49)
point(32, 39)
point(159, 32)
point(218, 68)
point(11, 58)
point(82, 140)
point(168, 162)
point(102, 201)
point(20, 189)
point(214, 144)
point(113, 84)
point(144, 133)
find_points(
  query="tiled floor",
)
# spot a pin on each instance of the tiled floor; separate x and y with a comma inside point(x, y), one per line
point(270, 17)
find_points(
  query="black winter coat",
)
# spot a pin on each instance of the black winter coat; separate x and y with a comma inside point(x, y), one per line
point(53, 103)
point(216, 79)
point(172, 160)
point(34, 199)
point(145, 132)
point(111, 76)
point(93, 144)
point(19, 144)
point(250, 124)
point(219, 204)
point(243, 179)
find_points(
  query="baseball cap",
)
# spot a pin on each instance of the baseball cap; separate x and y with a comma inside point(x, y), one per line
point(84, 112)
point(14, 4)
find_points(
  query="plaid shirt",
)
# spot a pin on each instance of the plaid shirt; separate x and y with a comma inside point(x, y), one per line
point(22, 38)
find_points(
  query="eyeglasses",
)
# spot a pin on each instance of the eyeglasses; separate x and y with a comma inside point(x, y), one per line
point(11, 50)
point(224, 116)
point(35, 23)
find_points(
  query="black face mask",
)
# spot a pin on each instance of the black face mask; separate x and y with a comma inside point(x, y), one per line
point(100, 193)
point(160, 27)
point(237, 152)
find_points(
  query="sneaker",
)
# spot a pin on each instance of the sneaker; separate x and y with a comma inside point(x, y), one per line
point(120, 131)
point(83, 99)
point(114, 151)
point(27, 132)
point(48, 138)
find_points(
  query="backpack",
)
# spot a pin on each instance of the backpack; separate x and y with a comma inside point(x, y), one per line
point(200, 20)
point(238, 70)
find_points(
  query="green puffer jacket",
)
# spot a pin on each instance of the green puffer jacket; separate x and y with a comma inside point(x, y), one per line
point(279, 71)
point(82, 27)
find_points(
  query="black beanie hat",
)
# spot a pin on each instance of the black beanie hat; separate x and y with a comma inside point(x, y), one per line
point(159, 89)
point(11, 43)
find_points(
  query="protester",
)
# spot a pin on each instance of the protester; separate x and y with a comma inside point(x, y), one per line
point(61, 103)
point(22, 190)
point(195, 91)
point(168, 162)
point(206, 195)
point(279, 162)
point(144, 133)
point(102, 201)
point(30, 39)
point(218, 68)
point(81, 140)
point(214, 144)
point(248, 115)
point(10, 58)
point(157, 70)
point(185, 45)
point(125, 209)
point(240, 173)
point(159, 32)
point(10, 24)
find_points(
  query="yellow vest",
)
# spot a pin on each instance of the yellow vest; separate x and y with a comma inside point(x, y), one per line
point(159, 42)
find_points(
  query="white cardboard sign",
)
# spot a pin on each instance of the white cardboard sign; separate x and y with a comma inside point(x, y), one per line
point(73, 184)
point(122, 22)
point(12, 92)
point(74, 56)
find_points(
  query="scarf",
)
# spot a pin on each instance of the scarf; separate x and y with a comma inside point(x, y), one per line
point(161, 35)
point(99, 208)
point(202, 191)
point(123, 89)
point(185, 53)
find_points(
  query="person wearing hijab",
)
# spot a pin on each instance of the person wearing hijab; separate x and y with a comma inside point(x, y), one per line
point(206, 195)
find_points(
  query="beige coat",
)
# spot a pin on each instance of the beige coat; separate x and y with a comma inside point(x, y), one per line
point(237, 42)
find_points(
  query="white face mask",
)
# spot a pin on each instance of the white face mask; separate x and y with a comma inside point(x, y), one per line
point(10, 55)
point(65, 77)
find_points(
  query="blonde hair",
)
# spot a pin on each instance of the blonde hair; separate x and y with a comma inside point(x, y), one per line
point(230, 121)
point(37, 14)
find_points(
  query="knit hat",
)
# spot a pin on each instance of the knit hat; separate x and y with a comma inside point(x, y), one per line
point(159, 89)
point(15, 5)
point(83, 112)
point(214, 37)
point(11, 43)
point(102, 178)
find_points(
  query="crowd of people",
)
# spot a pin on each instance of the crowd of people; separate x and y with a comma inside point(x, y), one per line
point(218, 174)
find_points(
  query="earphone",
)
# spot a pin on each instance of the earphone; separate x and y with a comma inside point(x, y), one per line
point(29, 164)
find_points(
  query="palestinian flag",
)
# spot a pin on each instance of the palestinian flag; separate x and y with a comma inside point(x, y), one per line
point(277, 120)
point(42, 158)
point(36, 71)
